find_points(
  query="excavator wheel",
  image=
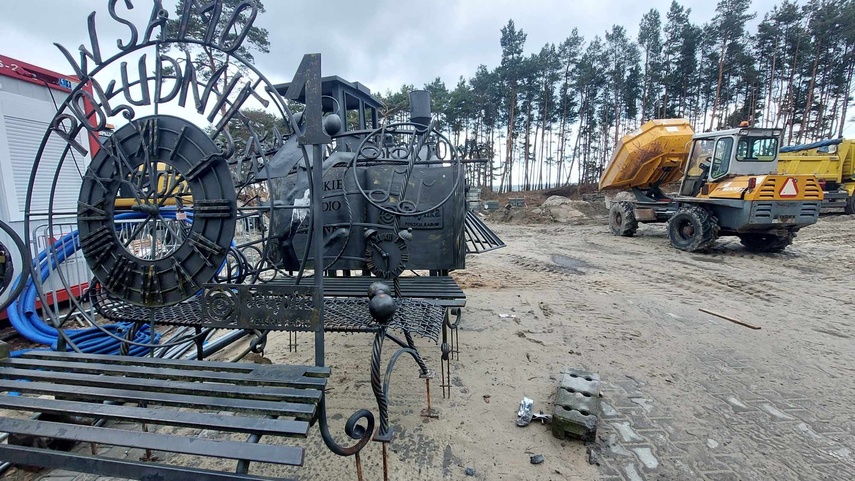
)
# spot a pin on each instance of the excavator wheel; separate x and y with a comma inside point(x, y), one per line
point(693, 229)
point(622, 219)
point(850, 205)
point(766, 242)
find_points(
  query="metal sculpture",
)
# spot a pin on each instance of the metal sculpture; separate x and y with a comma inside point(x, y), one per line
point(191, 226)
point(159, 198)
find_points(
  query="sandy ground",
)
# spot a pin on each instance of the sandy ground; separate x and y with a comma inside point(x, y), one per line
point(687, 395)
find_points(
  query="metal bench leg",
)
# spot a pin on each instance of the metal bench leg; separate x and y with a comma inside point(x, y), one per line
point(199, 340)
point(445, 364)
point(292, 341)
point(450, 346)
point(457, 312)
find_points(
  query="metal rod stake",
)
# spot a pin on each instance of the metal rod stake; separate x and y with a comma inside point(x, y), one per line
point(385, 463)
point(358, 468)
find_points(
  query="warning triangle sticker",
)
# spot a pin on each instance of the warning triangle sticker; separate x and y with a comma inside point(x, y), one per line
point(789, 189)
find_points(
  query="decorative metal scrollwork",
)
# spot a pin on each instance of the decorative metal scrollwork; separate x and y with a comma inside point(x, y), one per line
point(395, 152)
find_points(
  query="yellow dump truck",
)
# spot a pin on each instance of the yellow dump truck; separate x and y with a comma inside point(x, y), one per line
point(833, 164)
point(729, 185)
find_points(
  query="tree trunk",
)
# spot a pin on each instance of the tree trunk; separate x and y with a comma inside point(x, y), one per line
point(809, 101)
point(509, 151)
point(644, 85)
point(771, 82)
point(527, 147)
point(791, 100)
point(846, 95)
point(720, 76)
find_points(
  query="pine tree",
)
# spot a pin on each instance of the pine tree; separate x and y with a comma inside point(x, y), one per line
point(650, 40)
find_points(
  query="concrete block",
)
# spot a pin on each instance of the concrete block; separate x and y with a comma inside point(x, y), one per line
point(577, 405)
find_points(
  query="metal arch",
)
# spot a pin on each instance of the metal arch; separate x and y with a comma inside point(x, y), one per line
point(26, 268)
point(64, 117)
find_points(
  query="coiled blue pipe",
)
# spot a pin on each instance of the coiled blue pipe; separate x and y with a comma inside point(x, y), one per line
point(24, 318)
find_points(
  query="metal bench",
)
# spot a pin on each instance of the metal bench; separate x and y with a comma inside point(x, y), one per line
point(222, 398)
point(228, 400)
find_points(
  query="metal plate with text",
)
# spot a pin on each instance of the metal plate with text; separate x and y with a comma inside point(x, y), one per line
point(270, 306)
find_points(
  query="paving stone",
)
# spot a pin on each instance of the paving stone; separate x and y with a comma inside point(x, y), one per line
point(721, 476)
point(627, 433)
point(577, 405)
point(608, 411)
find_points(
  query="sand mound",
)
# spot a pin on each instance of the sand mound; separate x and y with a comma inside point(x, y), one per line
point(555, 209)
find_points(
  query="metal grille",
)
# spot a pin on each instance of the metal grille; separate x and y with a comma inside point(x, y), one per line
point(479, 237)
point(420, 318)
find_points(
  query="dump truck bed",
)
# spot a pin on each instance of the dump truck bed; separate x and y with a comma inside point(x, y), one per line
point(831, 160)
point(655, 153)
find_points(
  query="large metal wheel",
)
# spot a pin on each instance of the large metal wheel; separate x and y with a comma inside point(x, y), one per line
point(849, 208)
point(767, 242)
point(622, 221)
point(693, 229)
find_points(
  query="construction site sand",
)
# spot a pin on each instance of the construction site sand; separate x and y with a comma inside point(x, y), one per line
point(626, 308)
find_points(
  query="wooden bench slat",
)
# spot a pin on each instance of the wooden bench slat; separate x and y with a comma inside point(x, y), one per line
point(178, 387)
point(168, 416)
point(238, 379)
point(264, 453)
point(119, 468)
point(273, 408)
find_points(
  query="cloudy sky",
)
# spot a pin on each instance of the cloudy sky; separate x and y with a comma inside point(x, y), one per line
point(381, 43)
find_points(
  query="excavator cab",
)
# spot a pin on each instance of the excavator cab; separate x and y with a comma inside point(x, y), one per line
point(717, 156)
point(698, 167)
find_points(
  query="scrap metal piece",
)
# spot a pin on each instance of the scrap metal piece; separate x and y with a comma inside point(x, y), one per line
point(524, 415)
point(543, 418)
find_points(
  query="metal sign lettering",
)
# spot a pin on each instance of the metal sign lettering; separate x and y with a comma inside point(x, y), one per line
point(160, 196)
point(264, 306)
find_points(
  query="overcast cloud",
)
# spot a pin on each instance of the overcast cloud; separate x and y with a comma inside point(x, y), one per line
point(381, 43)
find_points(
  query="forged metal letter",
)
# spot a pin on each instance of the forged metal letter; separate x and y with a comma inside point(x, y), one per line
point(111, 7)
point(158, 76)
point(143, 83)
point(158, 18)
point(95, 54)
point(189, 79)
point(69, 135)
point(213, 9)
point(231, 44)
point(308, 77)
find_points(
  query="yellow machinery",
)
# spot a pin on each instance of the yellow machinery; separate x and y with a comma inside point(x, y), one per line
point(833, 164)
point(729, 186)
point(654, 154)
point(170, 185)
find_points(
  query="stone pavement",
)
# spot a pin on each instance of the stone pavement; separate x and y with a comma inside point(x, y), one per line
point(750, 430)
